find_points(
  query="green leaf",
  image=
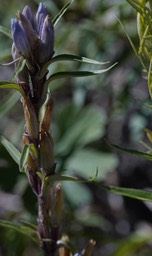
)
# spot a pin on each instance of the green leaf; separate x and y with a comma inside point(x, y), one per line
point(78, 127)
point(130, 192)
point(132, 243)
point(140, 56)
point(59, 177)
point(133, 152)
point(11, 85)
point(138, 5)
point(29, 225)
point(24, 157)
point(8, 102)
point(84, 163)
point(64, 74)
point(70, 57)
point(6, 31)
point(23, 229)
point(21, 64)
point(77, 193)
point(61, 13)
point(12, 150)
point(28, 149)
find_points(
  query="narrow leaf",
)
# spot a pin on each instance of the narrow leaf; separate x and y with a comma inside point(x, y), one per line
point(24, 157)
point(133, 152)
point(12, 150)
point(29, 225)
point(11, 85)
point(70, 57)
point(8, 102)
point(64, 74)
point(140, 57)
point(132, 244)
point(23, 229)
point(6, 31)
point(20, 66)
point(73, 57)
point(130, 192)
point(61, 13)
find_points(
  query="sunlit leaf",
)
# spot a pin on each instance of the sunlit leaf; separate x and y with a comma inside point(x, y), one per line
point(12, 150)
point(149, 134)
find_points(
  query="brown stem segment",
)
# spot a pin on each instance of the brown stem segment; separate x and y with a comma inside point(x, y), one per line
point(47, 240)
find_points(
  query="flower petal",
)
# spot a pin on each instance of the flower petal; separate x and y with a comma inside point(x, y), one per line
point(20, 39)
point(40, 17)
point(47, 40)
point(28, 14)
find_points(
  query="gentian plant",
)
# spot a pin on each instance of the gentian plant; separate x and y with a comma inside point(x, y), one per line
point(33, 52)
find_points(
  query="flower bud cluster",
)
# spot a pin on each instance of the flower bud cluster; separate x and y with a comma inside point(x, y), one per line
point(33, 37)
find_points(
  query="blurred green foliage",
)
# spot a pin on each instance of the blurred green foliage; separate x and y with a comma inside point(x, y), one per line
point(87, 110)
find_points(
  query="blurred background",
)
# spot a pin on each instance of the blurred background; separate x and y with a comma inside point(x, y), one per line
point(87, 113)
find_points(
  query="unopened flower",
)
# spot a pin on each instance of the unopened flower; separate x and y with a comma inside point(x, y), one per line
point(20, 39)
point(58, 206)
point(46, 149)
point(33, 37)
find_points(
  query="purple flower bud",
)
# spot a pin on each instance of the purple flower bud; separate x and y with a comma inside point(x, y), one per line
point(40, 17)
point(20, 39)
point(33, 39)
point(47, 40)
point(31, 34)
point(28, 14)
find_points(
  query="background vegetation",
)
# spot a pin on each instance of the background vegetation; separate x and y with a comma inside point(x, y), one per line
point(88, 111)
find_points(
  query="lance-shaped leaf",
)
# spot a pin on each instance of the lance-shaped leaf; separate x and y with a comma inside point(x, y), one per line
point(6, 31)
point(12, 150)
point(8, 102)
point(133, 152)
point(28, 149)
point(69, 57)
point(132, 244)
point(11, 85)
point(138, 5)
point(130, 192)
point(140, 56)
point(24, 229)
point(20, 66)
point(61, 13)
point(23, 158)
point(64, 74)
